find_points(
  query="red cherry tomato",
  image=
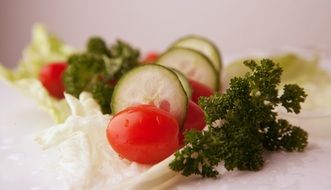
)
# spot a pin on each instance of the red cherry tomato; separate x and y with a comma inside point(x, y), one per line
point(195, 119)
point(144, 134)
point(112, 82)
point(199, 89)
point(51, 77)
point(151, 58)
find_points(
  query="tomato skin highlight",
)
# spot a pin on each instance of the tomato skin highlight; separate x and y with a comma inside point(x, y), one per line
point(144, 134)
point(199, 90)
point(51, 78)
point(150, 58)
point(195, 119)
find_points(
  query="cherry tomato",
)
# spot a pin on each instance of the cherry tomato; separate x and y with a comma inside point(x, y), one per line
point(51, 77)
point(112, 82)
point(199, 89)
point(144, 134)
point(151, 58)
point(195, 119)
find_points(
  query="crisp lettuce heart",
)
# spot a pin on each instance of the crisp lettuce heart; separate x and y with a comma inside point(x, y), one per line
point(85, 158)
point(43, 49)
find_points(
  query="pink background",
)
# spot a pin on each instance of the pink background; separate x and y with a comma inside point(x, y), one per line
point(153, 24)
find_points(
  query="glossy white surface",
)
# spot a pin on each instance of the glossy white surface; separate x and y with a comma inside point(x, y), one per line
point(308, 170)
point(22, 161)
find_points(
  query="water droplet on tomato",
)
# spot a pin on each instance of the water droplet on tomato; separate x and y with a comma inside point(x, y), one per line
point(126, 123)
point(165, 105)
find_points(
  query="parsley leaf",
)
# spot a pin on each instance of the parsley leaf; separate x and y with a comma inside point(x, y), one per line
point(243, 123)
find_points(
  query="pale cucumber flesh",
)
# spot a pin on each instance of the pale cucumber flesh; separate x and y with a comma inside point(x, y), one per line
point(193, 64)
point(151, 84)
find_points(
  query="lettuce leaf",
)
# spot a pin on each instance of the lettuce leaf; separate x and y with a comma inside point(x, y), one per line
point(296, 70)
point(43, 49)
point(84, 157)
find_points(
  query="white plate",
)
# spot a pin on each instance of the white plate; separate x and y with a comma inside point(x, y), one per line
point(22, 161)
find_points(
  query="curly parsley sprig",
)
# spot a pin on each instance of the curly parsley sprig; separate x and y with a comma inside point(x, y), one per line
point(249, 124)
point(97, 69)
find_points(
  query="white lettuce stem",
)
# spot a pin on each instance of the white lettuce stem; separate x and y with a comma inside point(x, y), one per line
point(160, 176)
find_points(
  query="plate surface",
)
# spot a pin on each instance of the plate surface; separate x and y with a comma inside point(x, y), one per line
point(22, 160)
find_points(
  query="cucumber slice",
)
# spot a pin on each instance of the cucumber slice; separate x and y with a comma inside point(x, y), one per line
point(203, 45)
point(193, 64)
point(151, 84)
point(186, 85)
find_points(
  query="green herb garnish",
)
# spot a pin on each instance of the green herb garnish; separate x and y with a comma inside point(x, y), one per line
point(243, 123)
point(98, 68)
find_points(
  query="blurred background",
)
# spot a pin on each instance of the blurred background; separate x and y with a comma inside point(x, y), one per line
point(234, 25)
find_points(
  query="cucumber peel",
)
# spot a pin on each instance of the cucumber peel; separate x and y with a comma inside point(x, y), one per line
point(202, 45)
point(193, 64)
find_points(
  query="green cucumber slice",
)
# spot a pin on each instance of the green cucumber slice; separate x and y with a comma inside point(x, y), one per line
point(203, 45)
point(185, 83)
point(193, 64)
point(151, 84)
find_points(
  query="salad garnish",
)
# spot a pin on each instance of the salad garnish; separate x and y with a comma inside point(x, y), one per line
point(44, 48)
point(243, 123)
point(98, 68)
point(298, 68)
point(154, 109)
